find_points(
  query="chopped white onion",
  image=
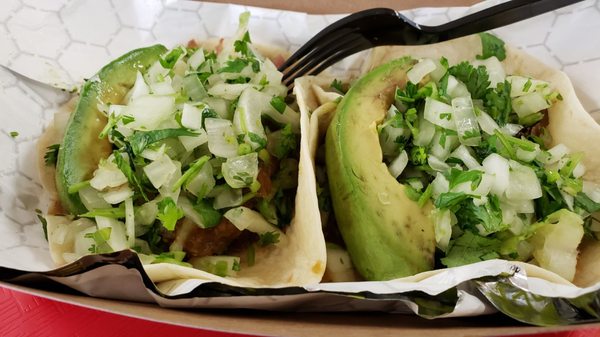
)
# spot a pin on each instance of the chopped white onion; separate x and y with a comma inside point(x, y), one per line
point(107, 175)
point(118, 194)
point(196, 59)
point(202, 183)
point(523, 182)
point(465, 121)
point(436, 164)
point(130, 222)
point(140, 88)
point(245, 218)
point(439, 113)
point(240, 171)
point(91, 199)
point(442, 222)
point(226, 196)
point(399, 164)
point(192, 142)
point(487, 123)
point(511, 129)
point(528, 156)
point(228, 91)
point(420, 70)
point(520, 85)
point(494, 69)
point(557, 153)
point(222, 141)
point(191, 116)
point(456, 88)
point(529, 103)
point(164, 87)
point(160, 171)
point(426, 132)
point(149, 111)
point(462, 152)
point(497, 167)
point(439, 185)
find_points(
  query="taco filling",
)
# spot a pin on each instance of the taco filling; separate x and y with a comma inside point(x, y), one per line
point(470, 146)
point(202, 166)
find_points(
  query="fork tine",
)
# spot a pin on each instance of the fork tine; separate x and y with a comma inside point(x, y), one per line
point(351, 21)
point(300, 62)
point(318, 55)
point(341, 54)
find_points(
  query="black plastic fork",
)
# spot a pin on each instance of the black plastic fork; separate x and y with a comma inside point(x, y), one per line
point(384, 26)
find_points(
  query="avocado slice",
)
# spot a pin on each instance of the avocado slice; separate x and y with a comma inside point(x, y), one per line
point(387, 234)
point(81, 149)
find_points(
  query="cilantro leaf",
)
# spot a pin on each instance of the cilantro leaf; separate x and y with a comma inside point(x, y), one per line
point(450, 199)
point(268, 238)
point(241, 46)
point(491, 46)
point(499, 103)
point(286, 143)
point(234, 66)
point(262, 142)
point(457, 177)
point(489, 215)
point(141, 139)
point(471, 248)
point(169, 213)
point(210, 217)
point(100, 237)
point(169, 60)
point(278, 103)
point(128, 171)
point(337, 86)
point(476, 79)
point(51, 154)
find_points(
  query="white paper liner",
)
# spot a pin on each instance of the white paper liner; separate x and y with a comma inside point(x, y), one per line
point(62, 42)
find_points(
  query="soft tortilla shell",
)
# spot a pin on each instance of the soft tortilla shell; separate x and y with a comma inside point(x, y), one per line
point(300, 257)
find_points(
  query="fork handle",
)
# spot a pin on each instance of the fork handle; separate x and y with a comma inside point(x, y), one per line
point(495, 17)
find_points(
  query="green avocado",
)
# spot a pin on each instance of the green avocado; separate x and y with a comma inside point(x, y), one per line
point(387, 235)
point(81, 148)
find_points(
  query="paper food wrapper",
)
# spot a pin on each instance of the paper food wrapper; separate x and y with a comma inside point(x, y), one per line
point(62, 42)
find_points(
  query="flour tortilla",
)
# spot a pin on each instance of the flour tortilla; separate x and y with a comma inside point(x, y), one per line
point(569, 124)
point(298, 259)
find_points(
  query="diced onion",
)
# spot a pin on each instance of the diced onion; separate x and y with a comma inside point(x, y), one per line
point(420, 70)
point(192, 142)
point(228, 91)
point(439, 185)
point(247, 115)
point(191, 116)
point(339, 265)
point(494, 69)
point(107, 175)
point(196, 59)
point(399, 164)
point(527, 156)
point(520, 85)
point(202, 183)
point(487, 123)
point(511, 129)
point(140, 88)
point(226, 197)
point(164, 87)
point(91, 199)
point(118, 194)
point(245, 218)
point(160, 171)
point(130, 222)
point(439, 113)
point(592, 190)
point(240, 171)
point(194, 88)
point(222, 141)
point(529, 103)
point(436, 164)
point(456, 88)
point(426, 132)
point(557, 153)
point(149, 111)
point(497, 166)
point(523, 182)
point(465, 121)
point(462, 153)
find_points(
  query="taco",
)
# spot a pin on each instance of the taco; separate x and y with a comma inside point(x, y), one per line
point(193, 158)
point(458, 152)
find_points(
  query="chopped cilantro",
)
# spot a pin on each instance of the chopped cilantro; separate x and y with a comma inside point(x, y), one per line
point(476, 79)
point(234, 66)
point(262, 142)
point(169, 213)
point(491, 46)
point(587, 204)
point(278, 103)
point(100, 237)
point(286, 142)
point(457, 177)
point(418, 155)
point(209, 216)
point(169, 60)
point(498, 102)
point(191, 172)
point(141, 139)
point(14, 134)
point(450, 199)
point(268, 238)
point(337, 86)
point(471, 248)
point(128, 169)
point(113, 213)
